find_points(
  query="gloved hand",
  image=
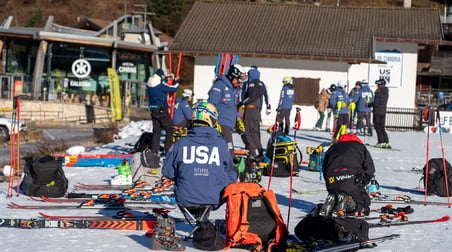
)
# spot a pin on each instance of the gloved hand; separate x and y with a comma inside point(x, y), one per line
point(239, 126)
point(269, 109)
point(278, 109)
point(239, 105)
point(217, 126)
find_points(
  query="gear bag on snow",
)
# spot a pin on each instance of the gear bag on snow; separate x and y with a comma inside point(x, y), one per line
point(253, 219)
point(286, 155)
point(206, 237)
point(44, 176)
point(145, 167)
point(436, 183)
point(144, 142)
point(318, 227)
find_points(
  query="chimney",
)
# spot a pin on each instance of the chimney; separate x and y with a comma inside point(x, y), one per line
point(406, 3)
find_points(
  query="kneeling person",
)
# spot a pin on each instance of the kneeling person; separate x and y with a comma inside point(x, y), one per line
point(347, 168)
point(200, 163)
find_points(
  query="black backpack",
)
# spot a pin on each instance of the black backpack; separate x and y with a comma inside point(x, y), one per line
point(206, 237)
point(144, 142)
point(317, 227)
point(44, 176)
point(436, 183)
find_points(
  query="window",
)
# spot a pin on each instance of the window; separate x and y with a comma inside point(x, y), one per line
point(306, 91)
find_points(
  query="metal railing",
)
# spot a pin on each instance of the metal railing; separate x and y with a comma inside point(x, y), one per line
point(403, 119)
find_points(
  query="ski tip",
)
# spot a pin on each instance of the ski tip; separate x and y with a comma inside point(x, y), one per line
point(445, 218)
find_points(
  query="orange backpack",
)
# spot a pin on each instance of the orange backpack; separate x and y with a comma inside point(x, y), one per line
point(253, 219)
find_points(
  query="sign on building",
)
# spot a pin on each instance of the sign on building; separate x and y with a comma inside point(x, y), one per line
point(391, 71)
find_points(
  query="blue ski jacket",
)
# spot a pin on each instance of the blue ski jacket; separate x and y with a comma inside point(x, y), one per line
point(254, 74)
point(286, 97)
point(201, 167)
point(364, 99)
point(182, 110)
point(339, 95)
point(157, 91)
point(223, 95)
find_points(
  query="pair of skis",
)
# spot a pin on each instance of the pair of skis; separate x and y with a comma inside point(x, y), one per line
point(171, 98)
point(405, 199)
point(93, 204)
point(294, 244)
point(14, 147)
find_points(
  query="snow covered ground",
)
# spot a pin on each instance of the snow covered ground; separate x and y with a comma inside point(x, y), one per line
point(393, 168)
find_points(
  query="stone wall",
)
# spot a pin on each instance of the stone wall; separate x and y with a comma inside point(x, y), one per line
point(55, 113)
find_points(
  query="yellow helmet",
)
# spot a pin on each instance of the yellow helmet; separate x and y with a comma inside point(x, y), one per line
point(287, 80)
point(206, 113)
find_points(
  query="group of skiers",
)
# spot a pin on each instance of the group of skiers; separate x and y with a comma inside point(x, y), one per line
point(353, 111)
point(201, 163)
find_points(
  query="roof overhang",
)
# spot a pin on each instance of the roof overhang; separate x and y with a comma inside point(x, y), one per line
point(414, 41)
point(285, 56)
point(69, 38)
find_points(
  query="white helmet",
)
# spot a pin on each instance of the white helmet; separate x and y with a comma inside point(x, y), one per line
point(342, 84)
point(187, 93)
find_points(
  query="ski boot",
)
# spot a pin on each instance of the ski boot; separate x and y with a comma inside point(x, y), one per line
point(328, 206)
point(345, 205)
point(163, 236)
point(373, 189)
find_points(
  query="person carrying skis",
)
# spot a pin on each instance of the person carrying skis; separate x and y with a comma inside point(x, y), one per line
point(339, 100)
point(182, 109)
point(364, 99)
point(224, 96)
point(379, 113)
point(199, 163)
point(158, 90)
point(286, 99)
point(251, 118)
point(321, 105)
point(347, 168)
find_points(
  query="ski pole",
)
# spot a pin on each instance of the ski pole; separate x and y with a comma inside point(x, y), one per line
point(446, 182)
point(295, 128)
point(426, 157)
point(274, 138)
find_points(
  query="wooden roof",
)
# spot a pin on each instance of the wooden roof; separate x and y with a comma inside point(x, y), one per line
point(302, 31)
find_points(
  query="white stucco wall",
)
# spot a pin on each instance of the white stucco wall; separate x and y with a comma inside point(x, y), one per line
point(273, 70)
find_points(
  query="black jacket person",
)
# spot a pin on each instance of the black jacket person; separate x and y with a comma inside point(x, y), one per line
point(347, 168)
point(251, 118)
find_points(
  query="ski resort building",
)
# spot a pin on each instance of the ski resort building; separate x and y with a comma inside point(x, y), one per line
point(318, 46)
point(58, 64)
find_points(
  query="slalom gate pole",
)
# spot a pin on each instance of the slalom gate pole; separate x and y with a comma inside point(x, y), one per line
point(295, 128)
point(446, 182)
point(274, 137)
point(217, 65)
point(17, 156)
point(426, 157)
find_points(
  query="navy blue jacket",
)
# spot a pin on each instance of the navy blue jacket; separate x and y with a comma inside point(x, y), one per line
point(363, 98)
point(223, 95)
point(157, 91)
point(339, 95)
point(254, 74)
point(201, 167)
point(182, 110)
